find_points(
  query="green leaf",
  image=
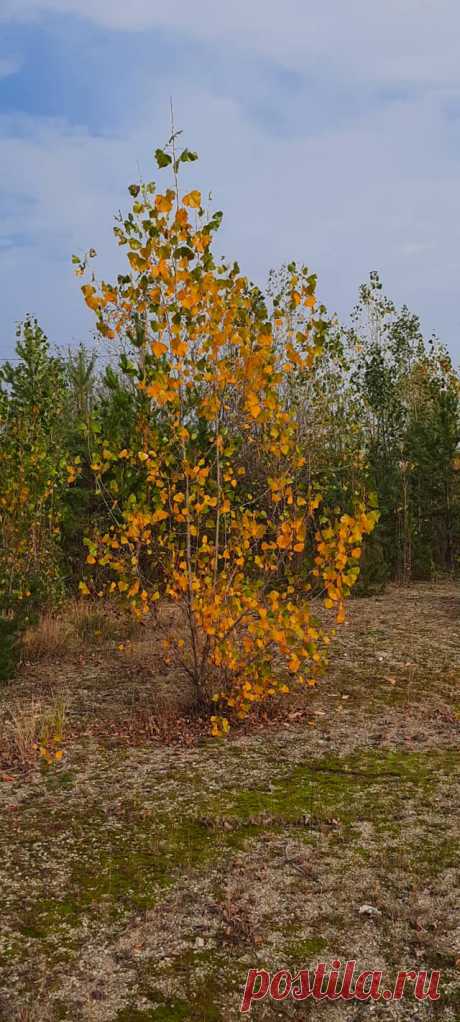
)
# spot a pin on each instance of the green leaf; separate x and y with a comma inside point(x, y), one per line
point(184, 252)
point(127, 366)
point(187, 156)
point(134, 190)
point(162, 158)
point(214, 223)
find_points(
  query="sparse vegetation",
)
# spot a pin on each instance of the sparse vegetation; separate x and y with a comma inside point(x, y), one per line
point(35, 728)
point(179, 535)
point(236, 463)
point(149, 870)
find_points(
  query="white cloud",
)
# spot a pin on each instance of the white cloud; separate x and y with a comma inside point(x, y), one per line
point(378, 192)
point(413, 41)
point(63, 187)
point(372, 195)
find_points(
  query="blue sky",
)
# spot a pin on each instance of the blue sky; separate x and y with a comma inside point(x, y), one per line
point(329, 134)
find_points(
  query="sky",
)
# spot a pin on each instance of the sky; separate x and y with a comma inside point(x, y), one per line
point(327, 133)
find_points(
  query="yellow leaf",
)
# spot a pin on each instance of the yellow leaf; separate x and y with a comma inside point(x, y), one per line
point(253, 405)
point(163, 203)
point(90, 296)
point(159, 348)
point(137, 263)
point(180, 348)
point(192, 199)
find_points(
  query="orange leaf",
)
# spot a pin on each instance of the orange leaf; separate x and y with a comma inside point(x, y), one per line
point(192, 199)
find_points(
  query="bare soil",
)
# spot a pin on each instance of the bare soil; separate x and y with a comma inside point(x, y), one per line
point(141, 878)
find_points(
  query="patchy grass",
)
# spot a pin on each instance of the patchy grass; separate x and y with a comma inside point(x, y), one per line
point(143, 881)
point(33, 728)
point(71, 628)
point(50, 636)
point(77, 867)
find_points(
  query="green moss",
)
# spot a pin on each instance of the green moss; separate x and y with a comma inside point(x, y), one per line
point(432, 857)
point(172, 1011)
point(119, 864)
point(204, 978)
point(56, 779)
point(303, 951)
point(47, 917)
point(121, 869)
point(366, 785)
point(198, 1004)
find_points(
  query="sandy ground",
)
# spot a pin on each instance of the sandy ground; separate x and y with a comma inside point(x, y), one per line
point(141, 880)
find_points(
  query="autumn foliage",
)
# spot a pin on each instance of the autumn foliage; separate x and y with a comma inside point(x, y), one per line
point(239, 554)
point(228, 463)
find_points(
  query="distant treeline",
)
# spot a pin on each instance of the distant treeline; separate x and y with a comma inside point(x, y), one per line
point(380, 413)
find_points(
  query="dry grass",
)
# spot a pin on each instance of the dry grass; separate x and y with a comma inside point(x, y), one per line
point(36, 1014)
point(50, 637)
point(33, 725)
point(122, 685)
point(58, 634)
point(104, 622)
point(38, 1011)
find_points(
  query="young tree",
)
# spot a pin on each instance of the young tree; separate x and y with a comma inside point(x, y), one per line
point(210, 362)
point(34, 471)
point(410, 410)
